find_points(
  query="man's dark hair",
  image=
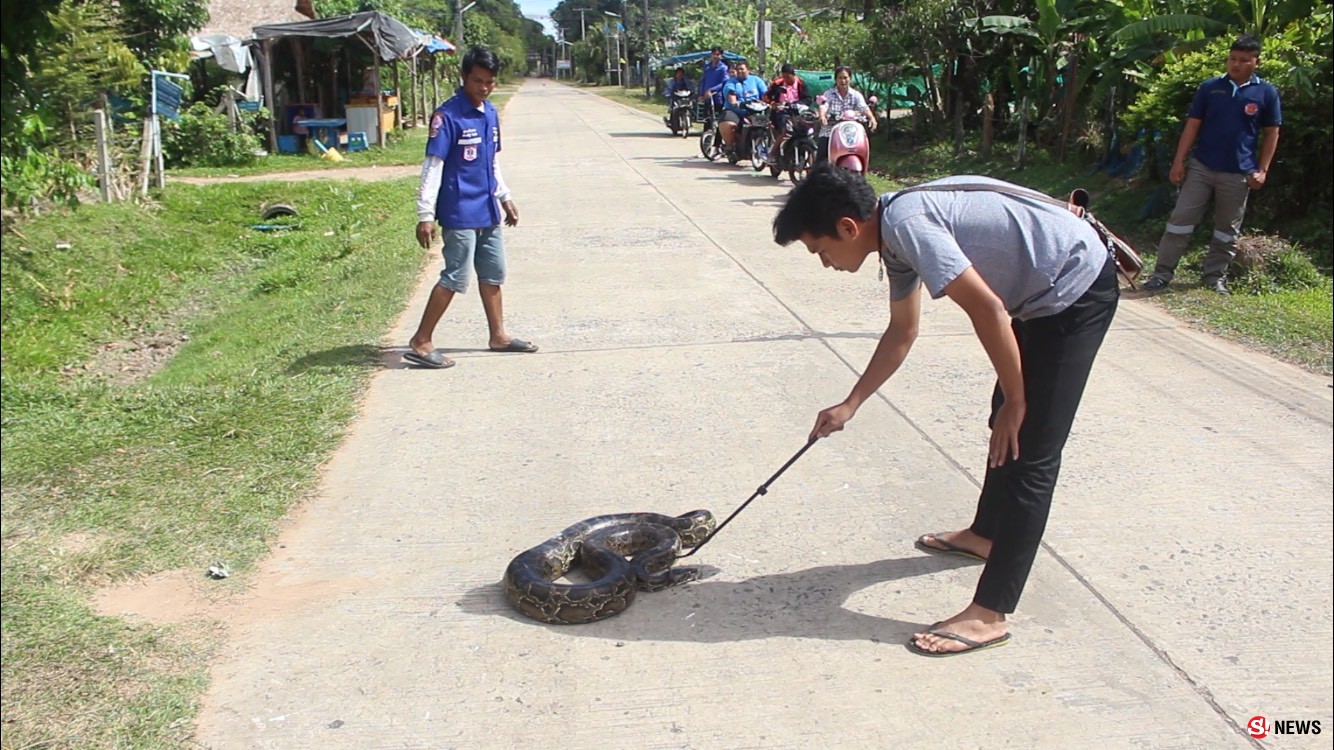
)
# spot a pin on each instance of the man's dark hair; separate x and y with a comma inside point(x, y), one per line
point(814, 206)
point(1247, 43)
point(480, 57)
point(678, 70)
point(719, 50)
point(787, 68)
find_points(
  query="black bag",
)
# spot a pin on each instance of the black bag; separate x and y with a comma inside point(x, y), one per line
point(1128, 262)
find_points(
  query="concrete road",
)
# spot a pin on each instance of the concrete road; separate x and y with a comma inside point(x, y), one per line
point(1184, 586)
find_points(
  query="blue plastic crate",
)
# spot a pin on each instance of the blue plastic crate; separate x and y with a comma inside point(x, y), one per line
point(289, 144)
point(357, 141)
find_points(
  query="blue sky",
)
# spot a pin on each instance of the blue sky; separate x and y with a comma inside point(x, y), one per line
point(536, 8)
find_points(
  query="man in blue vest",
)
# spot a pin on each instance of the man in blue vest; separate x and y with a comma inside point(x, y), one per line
point(714, 76)
point(462, 189)
point(1223, 125)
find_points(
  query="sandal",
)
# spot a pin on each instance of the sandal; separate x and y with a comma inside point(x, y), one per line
point(971, 644)
point(945, 547)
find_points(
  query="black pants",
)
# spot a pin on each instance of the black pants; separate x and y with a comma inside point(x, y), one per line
point(1057, 353)
point(822, 149)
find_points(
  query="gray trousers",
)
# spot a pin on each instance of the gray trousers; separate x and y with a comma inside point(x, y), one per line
point(1228, 191)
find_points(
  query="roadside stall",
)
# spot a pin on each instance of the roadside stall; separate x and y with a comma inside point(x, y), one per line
point(343, 106)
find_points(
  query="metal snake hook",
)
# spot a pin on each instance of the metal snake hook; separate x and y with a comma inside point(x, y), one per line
point(763, 489)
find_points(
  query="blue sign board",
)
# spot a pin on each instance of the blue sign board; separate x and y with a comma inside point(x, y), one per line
point(167, 97)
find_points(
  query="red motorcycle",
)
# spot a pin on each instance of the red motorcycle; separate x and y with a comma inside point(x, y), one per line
point(850, 142)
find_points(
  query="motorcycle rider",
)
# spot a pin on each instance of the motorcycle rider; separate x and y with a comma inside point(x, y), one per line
point(714, 76)
point(787, 88)
point(835, 102)
point(737, 92)
point(678, 82)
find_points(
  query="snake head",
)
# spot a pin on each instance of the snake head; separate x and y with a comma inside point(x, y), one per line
point(699, 524)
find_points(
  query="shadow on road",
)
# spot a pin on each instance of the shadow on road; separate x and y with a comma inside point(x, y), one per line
point(368, 357)
point(801, 604)
point(654, 134)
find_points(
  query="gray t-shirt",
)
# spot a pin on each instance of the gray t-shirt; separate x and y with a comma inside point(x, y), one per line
point(1037, 257)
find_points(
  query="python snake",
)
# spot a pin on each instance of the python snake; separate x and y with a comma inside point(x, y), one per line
point(600, 547)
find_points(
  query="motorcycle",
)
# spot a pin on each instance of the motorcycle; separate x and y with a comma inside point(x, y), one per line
point(797, 154)
point(679, 112)
point(850, 143)
point(710, 141)
point(754, 137)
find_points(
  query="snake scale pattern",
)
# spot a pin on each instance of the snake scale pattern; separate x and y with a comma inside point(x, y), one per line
point(620, 554)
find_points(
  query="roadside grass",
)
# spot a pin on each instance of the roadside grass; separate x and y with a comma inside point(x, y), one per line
point(172, 381)
point(402, 148)
point(633, 97)
point(1288, 315)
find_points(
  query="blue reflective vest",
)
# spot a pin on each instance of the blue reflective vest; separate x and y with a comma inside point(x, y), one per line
point(467, 139)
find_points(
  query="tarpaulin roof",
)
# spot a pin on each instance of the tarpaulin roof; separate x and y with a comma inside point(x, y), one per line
point(433, 44)
point(229, 51)
point(390, 39)
point(693, 57)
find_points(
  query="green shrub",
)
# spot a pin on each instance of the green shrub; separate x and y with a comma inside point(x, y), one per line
point(35, 172)
point(1283, 268)
point(204, 138)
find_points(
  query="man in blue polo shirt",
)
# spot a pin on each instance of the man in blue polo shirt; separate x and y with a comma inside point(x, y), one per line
point(736, 93)
point(714, 76)
point(1223, 125)
point(462, 189)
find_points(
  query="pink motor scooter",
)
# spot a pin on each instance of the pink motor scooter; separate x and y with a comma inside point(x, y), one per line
point(850, 143)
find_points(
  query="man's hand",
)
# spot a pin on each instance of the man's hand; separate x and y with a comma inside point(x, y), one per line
point(1005, 433)
point(1178, 173)
point(511, 214)
point(426, 234)
point(1256, 180)
point(831, 420)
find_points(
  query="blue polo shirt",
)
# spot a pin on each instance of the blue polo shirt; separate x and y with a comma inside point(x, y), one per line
point(467, 139)
point(714, 77)
point(749, 90)
point(1231, 118)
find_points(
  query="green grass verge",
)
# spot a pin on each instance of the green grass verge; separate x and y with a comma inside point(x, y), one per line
point(1292, 322)
point(633, 97)
point(403, 147)
point(121, 459)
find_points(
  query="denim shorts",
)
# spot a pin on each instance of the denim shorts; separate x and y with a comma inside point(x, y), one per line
point(466, 249)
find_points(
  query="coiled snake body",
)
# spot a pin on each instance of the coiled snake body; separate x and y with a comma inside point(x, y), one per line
point(600, 546)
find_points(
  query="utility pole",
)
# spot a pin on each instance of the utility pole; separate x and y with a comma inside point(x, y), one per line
point(458, 25)
point(643, 72)
point(759, 37)
point(623, 30)
point(606, 47)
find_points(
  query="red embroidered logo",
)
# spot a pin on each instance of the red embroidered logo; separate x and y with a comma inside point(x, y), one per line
point(436, 122)
point(1252, 108)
